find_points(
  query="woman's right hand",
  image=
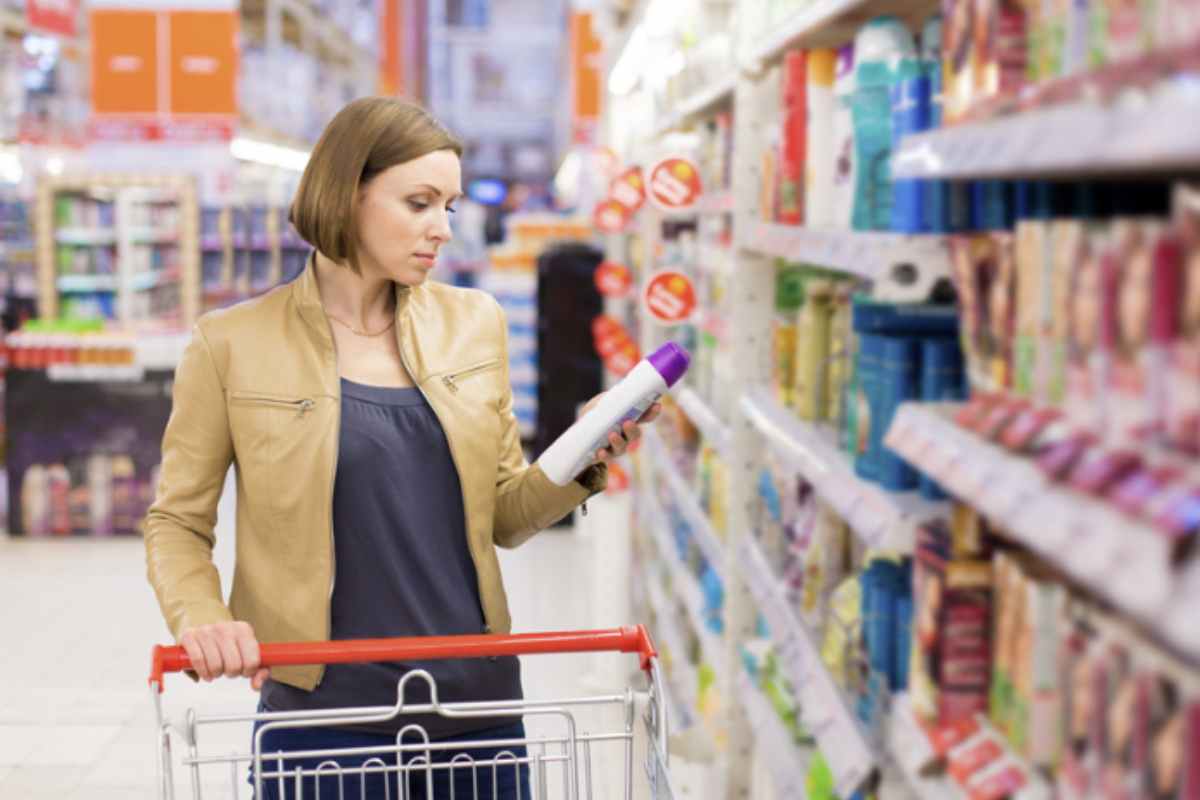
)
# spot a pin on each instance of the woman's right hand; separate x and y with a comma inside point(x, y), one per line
point(225, 648)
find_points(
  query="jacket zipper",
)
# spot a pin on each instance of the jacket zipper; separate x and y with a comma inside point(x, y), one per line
point(337, 448)
point(450, 380)
point(302, 406)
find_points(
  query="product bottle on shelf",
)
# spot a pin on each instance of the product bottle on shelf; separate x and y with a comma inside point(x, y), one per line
point(812, 355)
point(792, 145)
point(819, 148)
point(844, 165)
point(884, 54)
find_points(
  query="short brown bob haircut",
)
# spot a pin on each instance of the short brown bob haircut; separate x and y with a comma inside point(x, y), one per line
point(367, 137)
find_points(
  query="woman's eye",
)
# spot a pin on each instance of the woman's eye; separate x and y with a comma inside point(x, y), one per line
point(417, 205)
point(452, 209)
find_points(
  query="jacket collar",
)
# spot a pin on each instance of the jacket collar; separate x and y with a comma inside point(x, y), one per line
point(307, 296)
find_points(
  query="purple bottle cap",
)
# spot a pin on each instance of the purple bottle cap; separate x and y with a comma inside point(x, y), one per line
point(671, 361)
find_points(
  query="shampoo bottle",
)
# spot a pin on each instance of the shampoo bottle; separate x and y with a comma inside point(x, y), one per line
point(574, 451)
point(819, 149)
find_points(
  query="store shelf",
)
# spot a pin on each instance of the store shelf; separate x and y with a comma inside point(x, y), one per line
point(676, 714)
point(826, 714)
point(86, 237)
point(698, 104)
point(1102, 139)
point(87, 283)
point(788, 762)
point(149, 235)
point(687, 679)
point(869, 255)
point(706, 420)
point(716, 203)
point(830, 23)
point(686, 587)
point(911, 750)
point(880, 518)
point(98, 373)
point(1123, 560)
point(143, 281)
point(685, 498)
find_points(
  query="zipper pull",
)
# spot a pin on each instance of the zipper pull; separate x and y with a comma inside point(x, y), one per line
point(306, 405)
point(583, 508)
point(450, 384)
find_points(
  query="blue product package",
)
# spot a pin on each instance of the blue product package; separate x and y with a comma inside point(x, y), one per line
point(899, 382)
point(904, 614)
point(935, 204)
point(958, 207)
point(904, 319)
point(992, 205)
point(867, 405)
point(910, 114)
point(943, 380)
point(714, 597)
point(881, 583)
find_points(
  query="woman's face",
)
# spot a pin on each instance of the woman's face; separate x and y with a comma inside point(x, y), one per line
point(404, 217)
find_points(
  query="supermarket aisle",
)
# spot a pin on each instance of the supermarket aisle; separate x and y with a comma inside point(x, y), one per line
point(75, 718)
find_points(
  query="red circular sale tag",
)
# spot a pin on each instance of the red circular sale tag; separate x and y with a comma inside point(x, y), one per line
point(610, 217)
point(613, 279)
point(675, 184)
point(624, 359)
point(629, 189)
point(670, 298)
point(618, 479)
point(603, 325)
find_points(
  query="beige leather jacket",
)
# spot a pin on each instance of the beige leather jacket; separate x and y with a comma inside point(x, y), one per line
point(259, 387)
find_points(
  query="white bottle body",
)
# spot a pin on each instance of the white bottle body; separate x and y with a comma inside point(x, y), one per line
point(575, 450)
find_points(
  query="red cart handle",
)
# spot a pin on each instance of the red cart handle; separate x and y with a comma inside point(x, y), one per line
point(420, 648)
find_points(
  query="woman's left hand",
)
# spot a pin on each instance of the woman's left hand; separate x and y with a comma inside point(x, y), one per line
point(618, 443)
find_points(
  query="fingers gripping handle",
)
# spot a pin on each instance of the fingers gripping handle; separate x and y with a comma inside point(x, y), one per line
point(634, 639)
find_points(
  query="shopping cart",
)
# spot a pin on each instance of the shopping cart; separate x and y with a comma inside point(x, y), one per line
point(564, 755)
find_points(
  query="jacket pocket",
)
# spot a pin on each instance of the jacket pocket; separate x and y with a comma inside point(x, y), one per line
point(274, 446)
point(452, 380)
point(300, 405)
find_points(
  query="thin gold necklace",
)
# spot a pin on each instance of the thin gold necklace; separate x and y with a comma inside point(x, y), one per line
point(356, 331)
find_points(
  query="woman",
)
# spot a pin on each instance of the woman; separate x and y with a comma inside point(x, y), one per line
point(369, 414)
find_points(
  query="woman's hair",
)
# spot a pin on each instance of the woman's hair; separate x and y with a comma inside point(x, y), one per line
point(368, 136)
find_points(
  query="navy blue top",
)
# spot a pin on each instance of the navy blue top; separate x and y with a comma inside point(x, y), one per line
point(403, 567)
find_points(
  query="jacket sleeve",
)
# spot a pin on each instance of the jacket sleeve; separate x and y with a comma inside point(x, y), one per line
point(197, 450)
point(526, 500)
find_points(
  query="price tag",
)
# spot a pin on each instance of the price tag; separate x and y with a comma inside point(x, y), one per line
point(1093, 544)
point(1146, 578)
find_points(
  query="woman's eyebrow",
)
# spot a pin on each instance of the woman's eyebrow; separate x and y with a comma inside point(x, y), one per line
point(438, 192)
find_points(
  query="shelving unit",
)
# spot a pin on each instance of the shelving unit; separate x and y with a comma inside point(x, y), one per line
point(1092, 542)
point(869, 255)
point(135, 260)
point(1104, 139)
point(683, 495)
point(851, 755)
point(880, 518)
point(703, 102)
point(788, 762)
point(1100, 554)
point(714, 430)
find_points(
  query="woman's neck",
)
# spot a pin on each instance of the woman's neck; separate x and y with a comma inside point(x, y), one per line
point(365, 302)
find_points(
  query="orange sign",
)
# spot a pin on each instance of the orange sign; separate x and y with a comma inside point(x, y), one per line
point(629, 189)
point(124, 61)
point(613, 344)
point(159, 74)
point(613, 279)
point(670, 297)
point(675, 184)
point(610, 217)
point(204, 62)
point(587, 64)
